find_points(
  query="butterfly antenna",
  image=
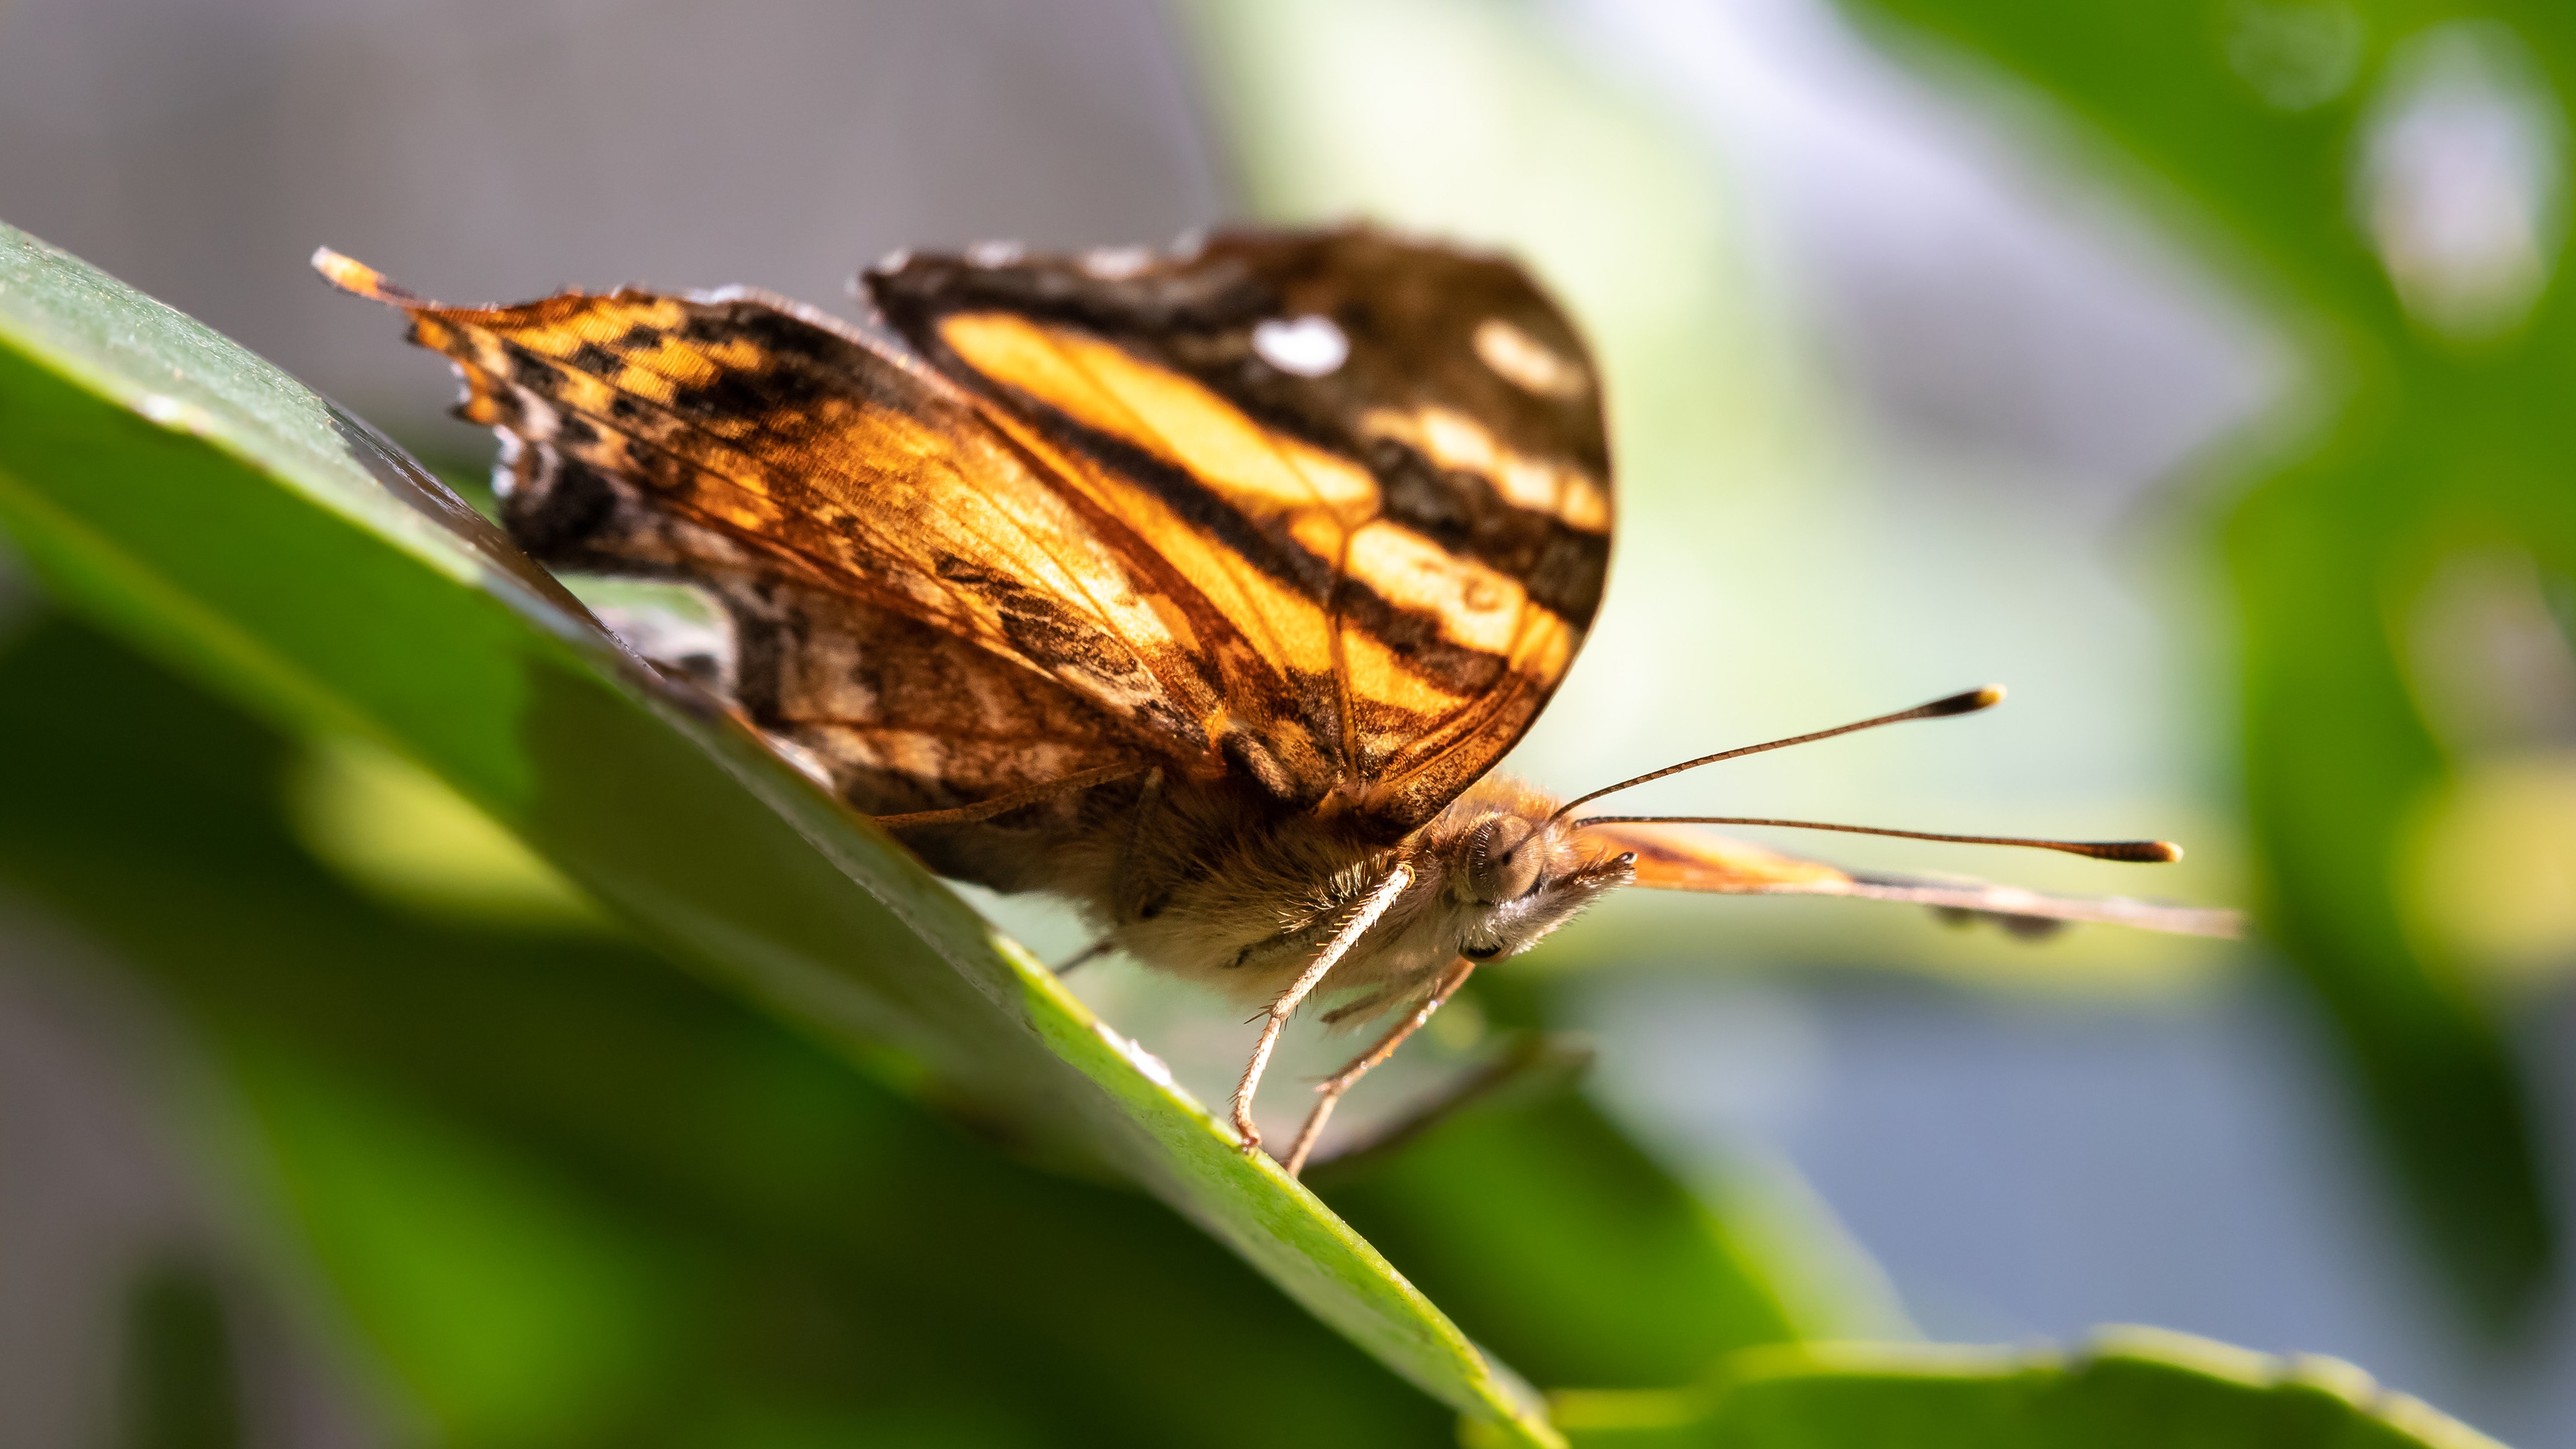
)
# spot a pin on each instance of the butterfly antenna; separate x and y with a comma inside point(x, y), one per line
point(2152, 851)
point(1967, 703)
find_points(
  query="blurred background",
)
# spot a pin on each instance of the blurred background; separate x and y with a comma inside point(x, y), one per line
point(2200, 372)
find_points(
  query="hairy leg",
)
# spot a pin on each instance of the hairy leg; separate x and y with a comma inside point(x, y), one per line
point(1095, 950)
point(1372, 906)
point(1332, 1087)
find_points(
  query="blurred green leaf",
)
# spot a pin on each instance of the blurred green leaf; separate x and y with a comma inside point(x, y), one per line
point(2129, 1389)
point(2427, 442)
point(1565, 1248)
point(180, 1387)
point(196, 500)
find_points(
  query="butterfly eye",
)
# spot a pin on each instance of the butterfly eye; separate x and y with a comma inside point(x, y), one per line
point(1502, 863)
point(1480, 953)
point(1308, 346)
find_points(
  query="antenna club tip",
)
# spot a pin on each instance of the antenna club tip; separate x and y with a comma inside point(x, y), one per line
point(1990, 696)
point(342, 270)
point(1967, 703)
point(2167, 851)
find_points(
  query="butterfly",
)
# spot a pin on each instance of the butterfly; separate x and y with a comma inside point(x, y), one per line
point(1204, 589)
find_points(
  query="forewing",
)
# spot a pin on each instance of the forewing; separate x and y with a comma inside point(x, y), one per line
point(1379, 464)
point(1679, 858)
point(789, 452)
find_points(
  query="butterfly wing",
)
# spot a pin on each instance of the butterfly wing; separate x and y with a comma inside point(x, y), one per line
point(828, 489)
point(1679, 858)
point(1379, 466)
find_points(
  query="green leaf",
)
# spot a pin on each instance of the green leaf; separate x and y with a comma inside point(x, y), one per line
point(196, 500)
point(179, 1385)
point(2130, 1388)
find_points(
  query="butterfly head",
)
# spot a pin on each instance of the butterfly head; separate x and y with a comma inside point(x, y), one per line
point(1509, 870)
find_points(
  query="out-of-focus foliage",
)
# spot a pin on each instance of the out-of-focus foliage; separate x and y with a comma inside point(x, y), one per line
point(2392, 177)
point(182, 1385)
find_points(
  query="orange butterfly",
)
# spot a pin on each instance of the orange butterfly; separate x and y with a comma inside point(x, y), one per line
point(1201, 589)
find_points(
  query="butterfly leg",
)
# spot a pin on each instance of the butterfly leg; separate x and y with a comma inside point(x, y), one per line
point(1330, 1090)
point(1371, 1004)
point(1370, 908)
point(1088, 953)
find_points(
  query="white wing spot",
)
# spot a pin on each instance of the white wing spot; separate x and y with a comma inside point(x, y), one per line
point(1308, 346)
point(1527, 363)
point(996, 253)
point(1116, 264)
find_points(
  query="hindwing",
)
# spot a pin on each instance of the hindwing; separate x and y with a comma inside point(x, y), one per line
point(1381, 463)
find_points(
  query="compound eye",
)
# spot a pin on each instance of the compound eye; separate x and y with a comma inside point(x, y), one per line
point(1480, 953)
point(1502, 860)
